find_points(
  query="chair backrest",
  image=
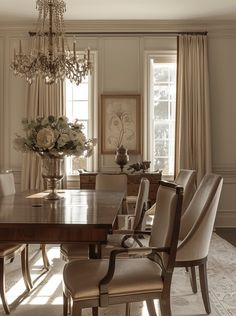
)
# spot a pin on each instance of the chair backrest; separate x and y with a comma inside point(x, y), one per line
point(187, 179)
point(141, 202)
point(111, 182)
point(198, 221)
point(165, 229)
point(7, 184)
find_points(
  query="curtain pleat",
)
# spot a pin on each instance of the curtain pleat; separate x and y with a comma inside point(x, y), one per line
point(193, 137)
point(42, 100)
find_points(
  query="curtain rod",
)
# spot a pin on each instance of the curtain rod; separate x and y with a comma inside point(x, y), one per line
point(130, 33)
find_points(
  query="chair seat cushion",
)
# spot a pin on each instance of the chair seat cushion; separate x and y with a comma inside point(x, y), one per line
point(75, 251)
point(132, 276)
point(10, 249)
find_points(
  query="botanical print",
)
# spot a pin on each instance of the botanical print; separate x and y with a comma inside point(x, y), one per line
point(120, 123)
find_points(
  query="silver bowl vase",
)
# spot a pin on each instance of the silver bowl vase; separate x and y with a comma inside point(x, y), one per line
point(52, 172)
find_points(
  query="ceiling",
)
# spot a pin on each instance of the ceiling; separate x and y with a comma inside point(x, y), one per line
point(24, 10)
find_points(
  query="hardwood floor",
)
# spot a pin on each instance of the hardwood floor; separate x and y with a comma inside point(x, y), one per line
point(228, 234)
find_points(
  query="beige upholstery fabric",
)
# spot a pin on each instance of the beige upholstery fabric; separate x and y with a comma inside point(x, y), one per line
point(198, 221)
point(104, 182)
point(7, 187)
point(117, 237)
point(131, 276)
point(163, 220)
point(187, 179)
point(111, 182)
point(130, 203)
point(141, 201)
point(7, 184)
point(73, 251)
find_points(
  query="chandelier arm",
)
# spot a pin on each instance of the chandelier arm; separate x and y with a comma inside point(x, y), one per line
point(49, 58)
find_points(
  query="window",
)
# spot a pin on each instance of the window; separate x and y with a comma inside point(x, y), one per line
point(162, 108)
point(80, 105)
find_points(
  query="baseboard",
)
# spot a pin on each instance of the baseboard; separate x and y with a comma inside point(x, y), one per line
point(226, 218)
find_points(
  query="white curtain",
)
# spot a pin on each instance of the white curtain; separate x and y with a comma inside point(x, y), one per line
point(193, 137)
point(42, 100)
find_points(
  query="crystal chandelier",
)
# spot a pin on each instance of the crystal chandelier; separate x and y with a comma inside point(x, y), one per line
point(50, 56)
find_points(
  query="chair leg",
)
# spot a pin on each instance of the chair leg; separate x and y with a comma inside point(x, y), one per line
point(193, 279)
point(127, 309)
point(2, 287)
point(151, 307)
point(46, 263)
point(165, 307)
point(95, 311)
point(65, 305)
point(76, 310)
point(204, 287)
point(25, 268)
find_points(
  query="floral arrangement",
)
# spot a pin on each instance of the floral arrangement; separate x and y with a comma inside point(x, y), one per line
point(54, 136)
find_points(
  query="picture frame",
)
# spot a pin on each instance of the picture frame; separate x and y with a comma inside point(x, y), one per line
point(120, 123)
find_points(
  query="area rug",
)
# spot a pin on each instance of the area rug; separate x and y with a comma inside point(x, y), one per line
point(46, 296)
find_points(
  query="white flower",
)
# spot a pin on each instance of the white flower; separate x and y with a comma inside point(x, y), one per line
point(54, 136)
point(19, 144)
point(44, 121)
point(79, 151)
point(45, 138)
point(63, 139)
point(77, 136)
point(74, 135)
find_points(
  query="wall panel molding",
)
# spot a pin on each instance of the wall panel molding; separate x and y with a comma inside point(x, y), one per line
point(228, 172)
point(225, 218)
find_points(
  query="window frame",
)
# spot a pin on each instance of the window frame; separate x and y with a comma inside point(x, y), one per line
point(165, 56)
point(93, 115)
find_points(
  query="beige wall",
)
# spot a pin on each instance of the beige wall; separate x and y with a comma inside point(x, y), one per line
point(121, 69)
point(222, 52)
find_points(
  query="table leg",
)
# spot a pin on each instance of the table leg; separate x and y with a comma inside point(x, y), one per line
point(94, 251)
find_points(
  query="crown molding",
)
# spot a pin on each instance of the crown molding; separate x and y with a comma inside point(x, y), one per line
point(134, 26)
point(131, 26)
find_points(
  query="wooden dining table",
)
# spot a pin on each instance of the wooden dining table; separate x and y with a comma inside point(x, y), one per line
point(85, 216)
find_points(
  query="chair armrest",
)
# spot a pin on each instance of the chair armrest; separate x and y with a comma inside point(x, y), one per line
point(103, 284)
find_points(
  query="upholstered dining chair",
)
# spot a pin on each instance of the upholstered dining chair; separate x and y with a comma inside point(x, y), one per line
point(120, 237)
point(9, 251)
point(185, 178)
point(126, 236)
point(7, 187)
point(196, 231)
point(104, 182)
point(112, 182)
point(103, 282)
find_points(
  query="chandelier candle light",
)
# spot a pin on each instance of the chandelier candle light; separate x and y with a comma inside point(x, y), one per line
point(48, 56)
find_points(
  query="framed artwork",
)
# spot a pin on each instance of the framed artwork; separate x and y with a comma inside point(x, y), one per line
point(120, 121)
